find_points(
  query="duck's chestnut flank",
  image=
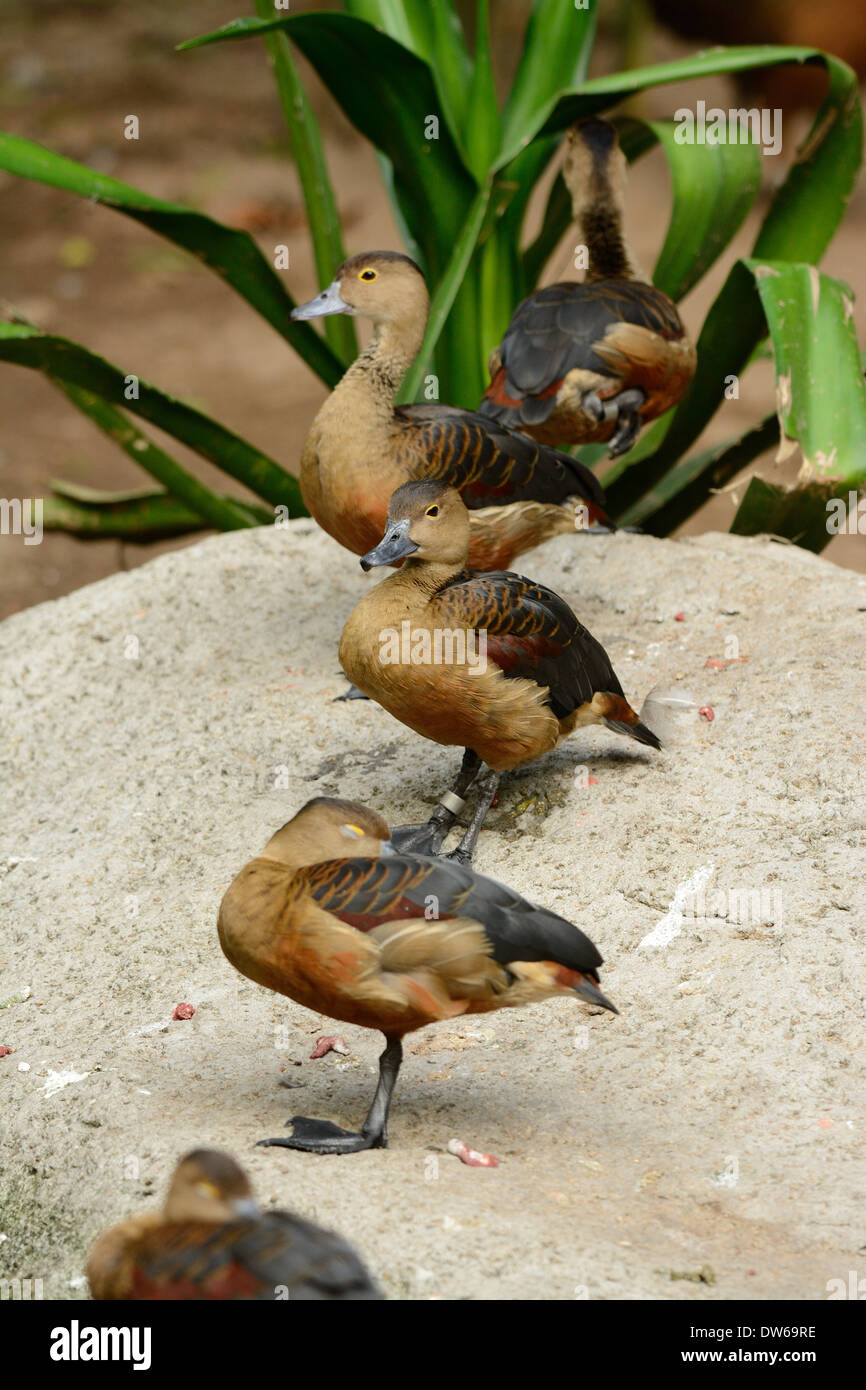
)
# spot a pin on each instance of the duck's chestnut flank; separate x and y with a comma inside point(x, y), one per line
point(331, 915)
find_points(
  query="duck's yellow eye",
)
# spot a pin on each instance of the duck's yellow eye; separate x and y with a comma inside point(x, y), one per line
point(368, 274)
point(354, 832)
point(207, 1189)
point(432, 511)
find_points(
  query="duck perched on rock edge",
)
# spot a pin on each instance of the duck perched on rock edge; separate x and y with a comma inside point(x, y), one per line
point(544, 674)
point(332, 916)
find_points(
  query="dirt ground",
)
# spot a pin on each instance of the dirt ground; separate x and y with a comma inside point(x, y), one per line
point(705, 1144)
point(212, 136)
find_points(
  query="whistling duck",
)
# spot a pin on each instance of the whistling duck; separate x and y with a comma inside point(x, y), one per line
point(360, 447)
point(211, 1241)
point(516, 672)
point(592, 361)
point(330, 915)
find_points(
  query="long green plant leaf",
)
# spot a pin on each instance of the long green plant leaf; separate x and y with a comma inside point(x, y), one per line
point(820, 391)
point(231, 253)
point(691, 482)
point(556, 48)
point(798, 226)
point(150, 516)
point(446, 292)
point(798, 514)
point(389, 95)
point(326, 233)
point(68, 362)
point(212, 509)
point(482, 130)
point(433, 32)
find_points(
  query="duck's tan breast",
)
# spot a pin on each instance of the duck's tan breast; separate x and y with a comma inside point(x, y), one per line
point(439, 683)
point(349, 469)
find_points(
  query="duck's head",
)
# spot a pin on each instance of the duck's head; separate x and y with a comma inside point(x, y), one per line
point(384, 286)
point(427, 521)
point(329, 828)
point(209, 1186)
point(593, 161)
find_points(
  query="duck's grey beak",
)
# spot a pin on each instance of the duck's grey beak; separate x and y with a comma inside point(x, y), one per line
point(593, 995)
point(394, 545)
point(246, 1208)
point(330, 301)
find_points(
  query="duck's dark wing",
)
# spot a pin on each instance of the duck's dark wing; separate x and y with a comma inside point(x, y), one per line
point(365, 893)
point(531, 632)
point(561, 328)
point(275, 1256)
point(490, 464)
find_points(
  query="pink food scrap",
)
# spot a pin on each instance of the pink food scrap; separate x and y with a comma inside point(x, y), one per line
point(471, 1157)
point(331, 1042)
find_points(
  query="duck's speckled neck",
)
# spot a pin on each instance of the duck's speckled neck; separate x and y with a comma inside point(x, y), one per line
point(384, 362)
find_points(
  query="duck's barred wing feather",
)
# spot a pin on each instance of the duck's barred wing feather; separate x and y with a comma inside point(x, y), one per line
point(365, 893)
point(530, 632)
point(562, 328)
point(251, 1259)
point(490, 464)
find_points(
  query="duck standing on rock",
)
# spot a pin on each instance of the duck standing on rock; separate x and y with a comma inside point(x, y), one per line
point(595, 361)
point(211, 1241)
point(330, 915)
point(542, 675)
point(361, 447)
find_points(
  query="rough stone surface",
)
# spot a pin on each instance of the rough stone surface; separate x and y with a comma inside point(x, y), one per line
point(161, 724)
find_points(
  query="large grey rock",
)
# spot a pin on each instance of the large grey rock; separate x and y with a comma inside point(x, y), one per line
point(161, 724)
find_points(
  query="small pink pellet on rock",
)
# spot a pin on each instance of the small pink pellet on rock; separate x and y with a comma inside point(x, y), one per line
point(5, 1051)
point(184, 1011)
point(471, 1157)
point(707, 712)
point(330, 1042)
point(679, 617)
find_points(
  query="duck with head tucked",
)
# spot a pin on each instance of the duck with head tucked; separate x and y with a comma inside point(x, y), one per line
point(360, 447)
point(211, 1241)
point(330, 914)
point(542, 674)
point(595, 361)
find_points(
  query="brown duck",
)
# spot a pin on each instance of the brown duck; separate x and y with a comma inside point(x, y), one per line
point(330, 915)
point(515, 671)
point(360, 447)
point(592, 361)
point(211, 1241)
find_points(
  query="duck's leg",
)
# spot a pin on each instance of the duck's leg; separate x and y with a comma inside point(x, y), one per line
point(429, 837)
point(324, 1137)
point(488, 783)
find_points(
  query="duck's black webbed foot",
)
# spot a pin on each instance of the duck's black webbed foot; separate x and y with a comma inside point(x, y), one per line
point(458, 855)
point(353, 693)
point(323, 1137)
point(628, 421)
point(426, 838)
